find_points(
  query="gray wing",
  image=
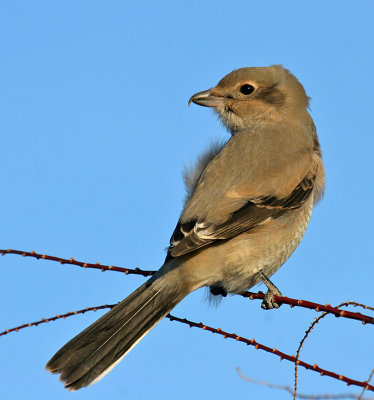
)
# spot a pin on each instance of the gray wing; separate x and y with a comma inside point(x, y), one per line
point(248, 182)
point(192, 235)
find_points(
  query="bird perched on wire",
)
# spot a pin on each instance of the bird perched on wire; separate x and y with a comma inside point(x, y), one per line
point(248, 204)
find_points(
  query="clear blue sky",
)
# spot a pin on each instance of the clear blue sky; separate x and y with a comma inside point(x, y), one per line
point(95, 131)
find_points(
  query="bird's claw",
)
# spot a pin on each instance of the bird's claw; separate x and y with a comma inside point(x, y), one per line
point(268, 303)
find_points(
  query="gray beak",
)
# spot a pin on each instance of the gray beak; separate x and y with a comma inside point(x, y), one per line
point(206, 99)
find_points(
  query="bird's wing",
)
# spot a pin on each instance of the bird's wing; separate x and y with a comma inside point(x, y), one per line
point(245, 184)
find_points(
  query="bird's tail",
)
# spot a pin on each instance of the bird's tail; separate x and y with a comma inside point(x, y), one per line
point(96, 350)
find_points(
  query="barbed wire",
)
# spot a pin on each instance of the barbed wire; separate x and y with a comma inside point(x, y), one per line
point(72, 261)
point(364, 389)
point(311, 327)
point(219, 331)
point(55, 318)
point(326, 309)
point(365, 319)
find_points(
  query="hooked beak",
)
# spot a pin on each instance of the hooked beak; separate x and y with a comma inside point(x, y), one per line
point(206, 99)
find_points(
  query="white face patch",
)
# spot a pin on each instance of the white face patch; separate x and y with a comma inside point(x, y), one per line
point(232, 121)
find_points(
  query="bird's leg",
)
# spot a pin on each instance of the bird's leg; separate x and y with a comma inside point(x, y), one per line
point(268, 303)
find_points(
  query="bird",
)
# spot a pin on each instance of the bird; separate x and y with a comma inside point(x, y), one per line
point(248, 203)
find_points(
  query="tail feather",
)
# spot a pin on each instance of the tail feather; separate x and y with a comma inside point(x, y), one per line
point(96, 350)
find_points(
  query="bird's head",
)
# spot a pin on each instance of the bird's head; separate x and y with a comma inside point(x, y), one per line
point(250, 96)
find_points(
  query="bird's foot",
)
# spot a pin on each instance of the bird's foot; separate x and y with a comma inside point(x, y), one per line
point(268, 303)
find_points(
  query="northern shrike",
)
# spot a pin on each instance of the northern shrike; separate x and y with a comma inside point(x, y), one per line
point(247, 206)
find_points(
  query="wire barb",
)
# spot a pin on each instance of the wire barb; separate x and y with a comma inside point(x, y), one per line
point(326, 309)
point(313, 324)
point(219, 331)
point(285, 356)
point(72, 261)
point(365, 319)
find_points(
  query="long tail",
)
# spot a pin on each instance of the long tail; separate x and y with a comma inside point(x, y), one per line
point(95, 351)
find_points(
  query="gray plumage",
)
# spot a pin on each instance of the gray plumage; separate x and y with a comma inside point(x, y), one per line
point(192, 174)
point(247, 206)
point(96, 350)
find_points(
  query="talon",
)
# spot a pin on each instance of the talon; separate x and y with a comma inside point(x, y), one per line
point(268, 303)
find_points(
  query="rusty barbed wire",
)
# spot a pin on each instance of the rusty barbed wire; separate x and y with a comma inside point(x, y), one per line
point(219, 331)
point(251, 295)
point(311, 327)
point(72, 261)
point(281, 355)
point(327, 308)
point(364, 389)
point(58, 316)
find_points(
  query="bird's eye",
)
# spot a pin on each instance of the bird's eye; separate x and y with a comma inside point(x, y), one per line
point(247, 89)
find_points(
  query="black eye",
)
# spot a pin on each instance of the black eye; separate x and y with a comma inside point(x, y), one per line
point(247, 89)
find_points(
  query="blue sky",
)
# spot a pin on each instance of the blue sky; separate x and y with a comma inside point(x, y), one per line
point(95, 131)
